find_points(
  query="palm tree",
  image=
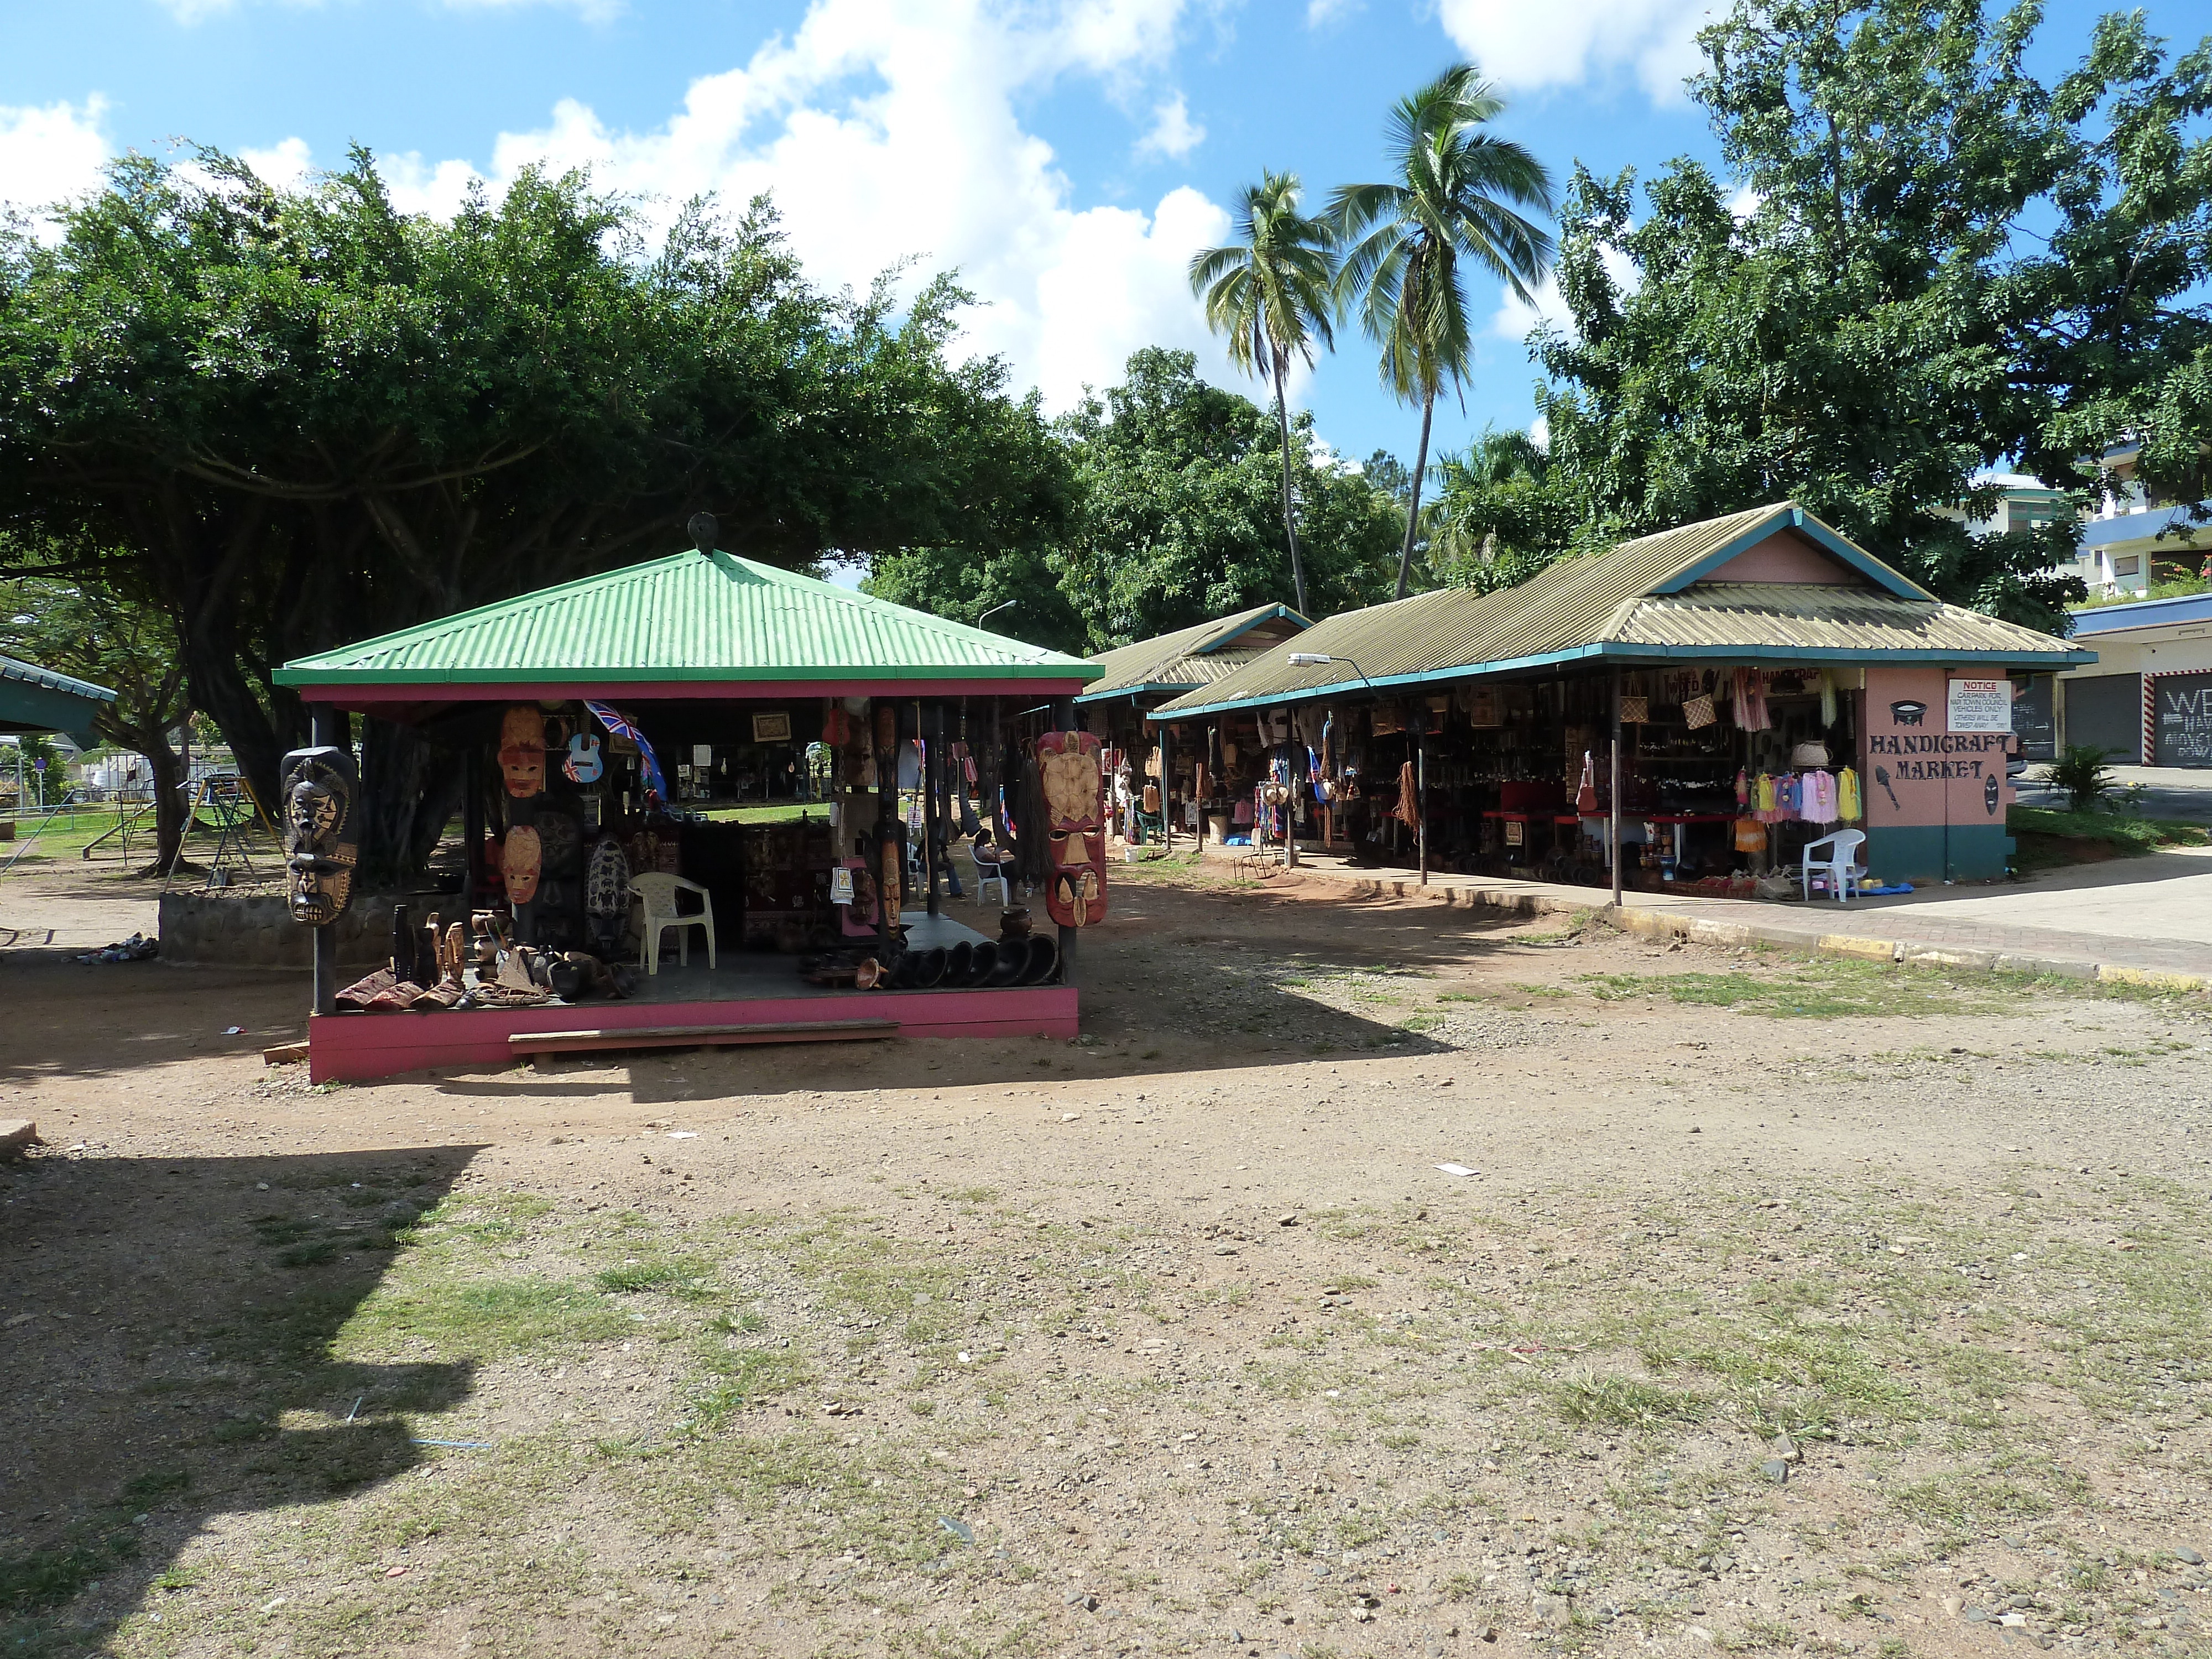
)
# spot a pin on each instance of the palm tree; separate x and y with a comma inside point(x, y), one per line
point(1406, 243)
point(1270, 295)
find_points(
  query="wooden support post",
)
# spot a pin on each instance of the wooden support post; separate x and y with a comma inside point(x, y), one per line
point(883, 717)
point(933, 813)
point(320, 729)
point(1612, 833)
point(1421, 794)
point(1167, 807)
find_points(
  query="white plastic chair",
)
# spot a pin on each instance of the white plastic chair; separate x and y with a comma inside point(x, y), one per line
point(658, 892)
point(1841, 866)
point(988, 873)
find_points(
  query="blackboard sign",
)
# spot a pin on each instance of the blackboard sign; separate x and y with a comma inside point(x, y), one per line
point(2181, 717)
point(2032, 722)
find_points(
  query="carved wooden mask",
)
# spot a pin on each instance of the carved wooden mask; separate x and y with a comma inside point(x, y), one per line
point(321, 844)
point(522, 751)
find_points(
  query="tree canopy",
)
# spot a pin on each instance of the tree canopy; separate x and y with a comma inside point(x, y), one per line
point(1929, 265)
point(293, 417)
point(1178, 521)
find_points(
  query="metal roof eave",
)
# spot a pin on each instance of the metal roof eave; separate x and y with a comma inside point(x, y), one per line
point(1062, 669)
point(1174, 687)
point(1796, 518)
point(1626, 652)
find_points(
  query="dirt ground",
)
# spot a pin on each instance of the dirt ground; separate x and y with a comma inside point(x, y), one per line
point(1805, 1306)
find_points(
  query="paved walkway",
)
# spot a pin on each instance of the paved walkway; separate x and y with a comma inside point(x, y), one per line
point(2144, 918)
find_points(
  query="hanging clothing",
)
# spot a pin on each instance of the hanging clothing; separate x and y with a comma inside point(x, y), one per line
point(1828, 699)
point(1820, 802)
point(1751, 700)
point(1847, 796)
point(1742, 788)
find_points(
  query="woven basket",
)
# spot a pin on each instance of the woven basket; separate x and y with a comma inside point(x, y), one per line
point(1635, 711)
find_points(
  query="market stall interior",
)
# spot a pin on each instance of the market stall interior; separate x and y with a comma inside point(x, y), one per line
point(715, 802)
point(1745, 689)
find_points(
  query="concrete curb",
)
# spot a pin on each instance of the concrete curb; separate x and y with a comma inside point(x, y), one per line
point(1742, 935)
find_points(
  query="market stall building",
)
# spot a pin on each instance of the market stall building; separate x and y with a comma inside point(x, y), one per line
point(1138, 678)
point(1768, 684)
point(606, 732)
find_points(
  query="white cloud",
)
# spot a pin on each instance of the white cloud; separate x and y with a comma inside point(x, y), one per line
point(1539, 433)
point(1173, 134)
point(888, 128)
point(1514, 316)
point(284, 165)
point(1567, 42)
point(49, 154)
point(1744, 203)
point(1322, 13)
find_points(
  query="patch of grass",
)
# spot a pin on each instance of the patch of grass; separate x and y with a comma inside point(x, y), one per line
point(2050, 838)
point(744, 1376)
point(1968, 1501)
point(1820, 989)
point(684, 1276)
point(476, 1319)
point(1625, 1402)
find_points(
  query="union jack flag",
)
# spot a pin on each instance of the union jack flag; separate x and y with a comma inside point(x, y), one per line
point(620, 725)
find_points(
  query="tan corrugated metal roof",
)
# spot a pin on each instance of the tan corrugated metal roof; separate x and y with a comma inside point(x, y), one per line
point(1760, 615)
point(1610, 605)
point(1194, 656)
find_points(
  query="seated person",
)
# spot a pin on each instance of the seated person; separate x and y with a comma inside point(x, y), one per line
point(992, 860)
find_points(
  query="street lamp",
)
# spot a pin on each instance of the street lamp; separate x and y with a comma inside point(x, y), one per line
point(1323, 660)
point(995, 611)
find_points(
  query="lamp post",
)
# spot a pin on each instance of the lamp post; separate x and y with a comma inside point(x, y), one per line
point(995, 611)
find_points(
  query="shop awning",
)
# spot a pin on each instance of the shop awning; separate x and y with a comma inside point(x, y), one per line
point(1772, 584)
point(694, 625)
point(1192, 656)
point(35, 699)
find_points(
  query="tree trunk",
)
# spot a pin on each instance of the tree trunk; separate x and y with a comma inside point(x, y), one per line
point(410, 790)
point(168, 767)
point(1414, 504)
point(1289, 519)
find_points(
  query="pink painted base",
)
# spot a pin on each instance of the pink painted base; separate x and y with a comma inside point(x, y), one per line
point(360, 1047)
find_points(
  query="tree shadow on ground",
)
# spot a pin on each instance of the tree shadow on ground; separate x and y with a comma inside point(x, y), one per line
point(1177, 981)
point(169, 1333)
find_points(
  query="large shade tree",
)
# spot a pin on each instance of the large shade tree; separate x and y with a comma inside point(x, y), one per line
point(1178, 521)
point(1454, 203)
point(1926, 264)
point(1268, 294)
point(294, 417)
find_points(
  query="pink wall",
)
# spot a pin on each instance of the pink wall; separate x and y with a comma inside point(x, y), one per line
point(1935, 776)
point(1786, 556)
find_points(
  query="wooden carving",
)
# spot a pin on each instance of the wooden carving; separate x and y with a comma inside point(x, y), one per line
point(321, 844)
point(522, 750)
point(1075, 806)
point(521, 857)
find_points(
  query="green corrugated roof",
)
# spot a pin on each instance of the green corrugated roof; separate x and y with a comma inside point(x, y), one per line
point(1642, 599)
point(35, 699)
point(1192, 656)
point(688, 617)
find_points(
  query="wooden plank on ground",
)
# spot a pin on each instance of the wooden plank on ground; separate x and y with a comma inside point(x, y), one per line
point(695, 1037)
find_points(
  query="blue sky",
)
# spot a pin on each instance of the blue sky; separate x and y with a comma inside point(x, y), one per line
point(1068, 156)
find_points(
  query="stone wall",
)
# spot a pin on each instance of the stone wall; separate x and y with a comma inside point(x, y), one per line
point(254, 930)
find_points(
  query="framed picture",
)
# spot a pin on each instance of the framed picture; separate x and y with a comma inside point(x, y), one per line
point(772, 728)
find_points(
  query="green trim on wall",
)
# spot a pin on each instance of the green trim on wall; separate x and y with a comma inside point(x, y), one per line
point(1979, 851)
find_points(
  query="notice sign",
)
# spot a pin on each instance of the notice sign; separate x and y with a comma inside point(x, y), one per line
point(1980, 705)
point(2183, 736)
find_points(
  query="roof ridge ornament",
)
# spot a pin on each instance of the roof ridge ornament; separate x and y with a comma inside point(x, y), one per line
point(703, 531)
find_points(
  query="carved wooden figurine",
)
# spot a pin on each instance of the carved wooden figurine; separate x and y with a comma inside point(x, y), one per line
point(321, 842)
